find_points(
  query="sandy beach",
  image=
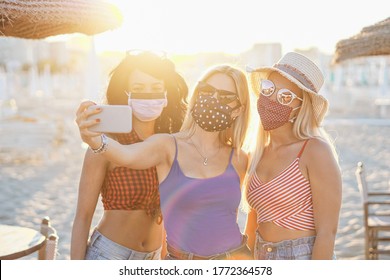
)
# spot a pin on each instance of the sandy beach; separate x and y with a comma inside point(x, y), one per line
point(41, 158)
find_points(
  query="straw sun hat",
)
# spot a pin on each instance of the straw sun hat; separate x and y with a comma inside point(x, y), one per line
point(301, 71)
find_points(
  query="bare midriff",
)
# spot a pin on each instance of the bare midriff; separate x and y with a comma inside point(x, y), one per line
point(274, 233)
point(132, 229)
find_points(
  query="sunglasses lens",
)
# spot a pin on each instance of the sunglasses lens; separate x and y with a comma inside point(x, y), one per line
point(285, 97)
point(205, 89)
point(267, 87)
point(226, 98)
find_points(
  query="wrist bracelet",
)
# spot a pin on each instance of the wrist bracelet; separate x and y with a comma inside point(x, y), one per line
point(103, 146)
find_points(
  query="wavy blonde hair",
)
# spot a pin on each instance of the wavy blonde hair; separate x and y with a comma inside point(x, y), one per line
point(304, 127)
point(235, 135)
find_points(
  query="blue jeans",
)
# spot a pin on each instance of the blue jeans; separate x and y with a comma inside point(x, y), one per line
point(102, 248)
point(294, 249)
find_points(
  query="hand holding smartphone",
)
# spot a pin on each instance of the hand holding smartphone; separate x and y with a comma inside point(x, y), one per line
point(113, 119)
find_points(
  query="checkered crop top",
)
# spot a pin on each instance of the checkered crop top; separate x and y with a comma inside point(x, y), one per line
point(129, 189)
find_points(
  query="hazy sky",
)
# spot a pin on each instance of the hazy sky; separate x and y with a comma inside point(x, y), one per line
point(188, 26)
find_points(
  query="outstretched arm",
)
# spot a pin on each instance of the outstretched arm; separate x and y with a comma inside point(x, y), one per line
point(141, 155)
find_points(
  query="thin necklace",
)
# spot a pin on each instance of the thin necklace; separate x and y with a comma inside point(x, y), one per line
point(205, 158)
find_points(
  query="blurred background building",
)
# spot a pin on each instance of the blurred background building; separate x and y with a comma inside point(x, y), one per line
point(72, 70)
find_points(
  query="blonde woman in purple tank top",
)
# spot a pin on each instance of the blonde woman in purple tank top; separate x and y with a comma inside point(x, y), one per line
point(200, 169)
point(294, 189)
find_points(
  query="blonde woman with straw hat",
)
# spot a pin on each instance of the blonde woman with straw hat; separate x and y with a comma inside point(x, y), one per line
point(294, 180)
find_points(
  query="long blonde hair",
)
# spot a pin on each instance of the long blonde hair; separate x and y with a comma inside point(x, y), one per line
point(235, 135)
point(304, 127)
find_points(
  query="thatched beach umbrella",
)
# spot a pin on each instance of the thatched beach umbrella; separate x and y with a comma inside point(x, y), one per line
point(372, 40)
point(37, 19)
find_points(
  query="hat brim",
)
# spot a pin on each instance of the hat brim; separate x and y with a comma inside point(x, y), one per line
point(320, 103)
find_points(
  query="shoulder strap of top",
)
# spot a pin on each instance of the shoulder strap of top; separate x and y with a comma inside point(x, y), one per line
point(303, 148)
point(231, 155)
point(174, 138)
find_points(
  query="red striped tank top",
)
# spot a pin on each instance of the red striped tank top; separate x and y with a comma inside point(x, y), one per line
point(286, 200)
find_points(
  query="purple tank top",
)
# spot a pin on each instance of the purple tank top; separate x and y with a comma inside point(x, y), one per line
point(200, 215)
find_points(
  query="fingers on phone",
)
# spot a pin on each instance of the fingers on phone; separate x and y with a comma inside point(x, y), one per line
point(93, 111)
point(83, 106)
point(88, 123)
point(88, 112)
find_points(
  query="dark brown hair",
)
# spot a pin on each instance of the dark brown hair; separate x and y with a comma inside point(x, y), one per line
point(161, 68)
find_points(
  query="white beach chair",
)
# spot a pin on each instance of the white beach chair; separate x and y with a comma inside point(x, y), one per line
point(376, 216)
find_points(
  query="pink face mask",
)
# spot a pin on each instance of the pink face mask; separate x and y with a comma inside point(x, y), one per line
point(272, 113)
point(147, 109)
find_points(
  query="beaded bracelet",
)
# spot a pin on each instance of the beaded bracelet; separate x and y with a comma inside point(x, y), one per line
point(103, 146)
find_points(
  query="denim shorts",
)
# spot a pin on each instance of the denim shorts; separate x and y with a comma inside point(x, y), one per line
point(102, 248)
point(295, 249)
point(242, 252)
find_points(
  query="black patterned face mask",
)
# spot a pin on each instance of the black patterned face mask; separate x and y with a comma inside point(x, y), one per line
point(211, 115)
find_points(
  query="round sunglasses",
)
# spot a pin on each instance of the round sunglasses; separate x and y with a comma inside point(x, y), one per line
point(284, 96)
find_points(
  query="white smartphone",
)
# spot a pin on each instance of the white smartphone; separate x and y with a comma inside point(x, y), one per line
point(113, 119)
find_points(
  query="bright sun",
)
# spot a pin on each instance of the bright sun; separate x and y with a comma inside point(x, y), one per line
point(173, 26)
point(191, 26)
